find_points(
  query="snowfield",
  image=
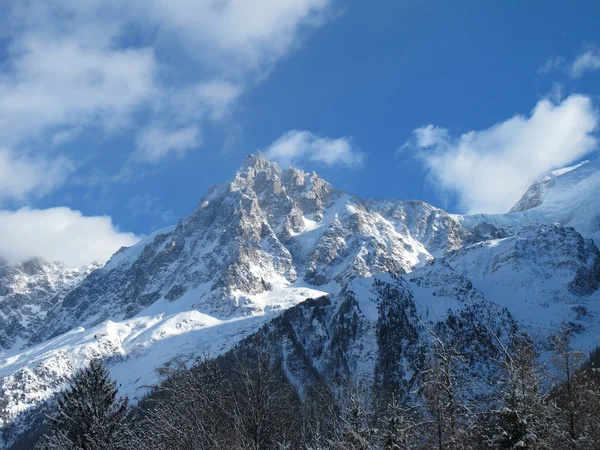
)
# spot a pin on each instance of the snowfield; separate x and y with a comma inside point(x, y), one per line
point(163, 333)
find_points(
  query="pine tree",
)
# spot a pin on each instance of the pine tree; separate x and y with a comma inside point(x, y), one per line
point(400, 429)
point(89, 416)
point(576, 393)
point(5, 413)
point(444, 390)
point(527, 419)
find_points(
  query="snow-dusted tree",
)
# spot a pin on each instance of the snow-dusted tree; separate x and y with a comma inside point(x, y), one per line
point(5, 413)
point(400, 427)
point(588, 387)
point(189, 410)
point(89, 416)
point(355, 430)
point(443, 387)
point(321, 418)
point(577, 394)
point(526, 419)
point(265, 408)
point(240, 401)
point(571, 388)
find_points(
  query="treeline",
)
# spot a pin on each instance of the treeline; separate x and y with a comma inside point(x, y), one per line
point(245, 401)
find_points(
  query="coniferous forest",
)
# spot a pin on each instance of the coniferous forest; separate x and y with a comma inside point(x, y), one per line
point(244, 400)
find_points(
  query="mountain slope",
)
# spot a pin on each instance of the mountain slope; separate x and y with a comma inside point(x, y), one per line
point(375, 331)
point(544, 275)
point(568, 196)
point(28, 291)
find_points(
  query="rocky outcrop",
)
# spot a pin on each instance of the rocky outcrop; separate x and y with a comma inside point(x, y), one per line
point(28, 291)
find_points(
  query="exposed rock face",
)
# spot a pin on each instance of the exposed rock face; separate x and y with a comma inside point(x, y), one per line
point(266, 227)
point(534, 196)
point(28, 291)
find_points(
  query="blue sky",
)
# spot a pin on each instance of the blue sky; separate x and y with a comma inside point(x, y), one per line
point(115, 117)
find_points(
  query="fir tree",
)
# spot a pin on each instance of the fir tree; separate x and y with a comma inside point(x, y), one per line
point(444, 389)
point(5, 414)
point(356, 432)
point(89, 416)
point(527, 420)
point(399, 427)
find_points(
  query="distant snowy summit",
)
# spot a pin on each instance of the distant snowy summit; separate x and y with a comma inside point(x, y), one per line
point(568, 196)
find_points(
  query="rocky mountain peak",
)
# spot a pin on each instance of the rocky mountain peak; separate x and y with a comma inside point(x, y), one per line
point(255, 168)
point(265, 178)
point(534, 196)
point(256, 161)
point(265, 229)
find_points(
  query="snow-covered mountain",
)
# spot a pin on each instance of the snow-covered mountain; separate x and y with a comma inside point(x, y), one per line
point(258, 246)
point(567, 196)
point(28, 291)
point(544, 275)
point(374, 330)
point(265, 228)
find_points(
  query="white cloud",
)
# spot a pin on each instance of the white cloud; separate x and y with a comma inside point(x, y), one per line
point(59, 234)
point(63, 84)
point(49, 89)
point(164, 67)
point(71, 65)
point(191, 104)
point(217, 95)
point(430, 136)
point(489, 170)
point(585, 62)
point(244, 34)
point(297, 146)
point(24, 175)
point(556, 63)
point(154, 143)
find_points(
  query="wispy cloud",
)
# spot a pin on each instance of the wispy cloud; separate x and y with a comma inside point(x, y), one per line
point(150, 206)
point(303, 146)
point(552, 64)
point(23, 175)
point(109, 65)
point(488, 170)
point(59, 83)
point(156, 142)
point(585, 62)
